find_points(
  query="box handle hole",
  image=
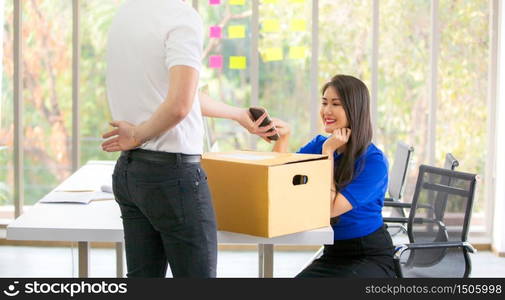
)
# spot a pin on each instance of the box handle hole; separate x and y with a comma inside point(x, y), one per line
point(300, 179)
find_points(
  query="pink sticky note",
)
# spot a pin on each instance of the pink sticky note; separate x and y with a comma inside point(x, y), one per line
point(215, 32)
point(216, 62)
point(214, 2)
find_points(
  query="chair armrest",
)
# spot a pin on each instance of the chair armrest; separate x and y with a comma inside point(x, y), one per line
point(404, 205)
point(416, 221)
point(402, 248)
point(395, 220)
point(397, 204)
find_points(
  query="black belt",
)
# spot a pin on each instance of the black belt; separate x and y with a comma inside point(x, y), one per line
point(162, 157)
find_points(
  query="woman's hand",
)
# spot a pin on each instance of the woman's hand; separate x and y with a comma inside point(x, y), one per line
point(339, 138)
point(282, 128)
point(282, 144)
point(123, 137)
point(245, 120)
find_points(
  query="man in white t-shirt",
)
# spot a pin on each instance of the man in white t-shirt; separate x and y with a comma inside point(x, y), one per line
point(153, 63)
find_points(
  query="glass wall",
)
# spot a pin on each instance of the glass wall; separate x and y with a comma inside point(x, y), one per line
point(403, 88)
point(285, 44)
point(226, 67)
point(344, 49)
point(284, 51)
point(96, 16)
point(462, 112)
point(345, 39)
point(47, 95)
point(6, 114)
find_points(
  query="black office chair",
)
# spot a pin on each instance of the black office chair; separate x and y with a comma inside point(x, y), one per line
point(451, 163)
point(398, 173)
point(398, 216)
point(397, 179)
point(438, 225)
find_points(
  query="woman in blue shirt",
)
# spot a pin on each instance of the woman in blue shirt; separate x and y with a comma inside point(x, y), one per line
point(362, 246)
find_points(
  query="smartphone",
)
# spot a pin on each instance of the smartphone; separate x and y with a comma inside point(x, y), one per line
point(256, 113)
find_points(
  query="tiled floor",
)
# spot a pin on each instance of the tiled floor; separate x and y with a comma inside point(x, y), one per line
point(16, 261)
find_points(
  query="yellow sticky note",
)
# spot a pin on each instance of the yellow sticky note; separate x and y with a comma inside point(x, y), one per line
point(237, 2)
point(298, 25)
point(271, 26)
point(273, 54)
point(296, 52)
point(238, 62)
point(270, 1)
point(236, 32)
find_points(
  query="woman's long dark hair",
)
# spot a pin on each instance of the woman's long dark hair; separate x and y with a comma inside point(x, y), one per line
point(355, 99)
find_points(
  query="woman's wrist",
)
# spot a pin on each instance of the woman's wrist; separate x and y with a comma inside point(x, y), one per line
point(281, 144)
point(328, 152)
point(284, 137)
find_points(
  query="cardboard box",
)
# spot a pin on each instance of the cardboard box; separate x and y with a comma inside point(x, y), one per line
point(264, 194)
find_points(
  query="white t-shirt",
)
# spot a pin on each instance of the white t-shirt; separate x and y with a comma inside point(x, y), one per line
point(147, 38)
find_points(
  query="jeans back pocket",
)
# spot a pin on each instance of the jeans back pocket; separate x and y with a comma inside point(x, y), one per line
point(161, 202)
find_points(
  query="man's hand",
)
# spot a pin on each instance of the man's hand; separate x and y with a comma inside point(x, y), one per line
point(123, 137)
point(244, 118)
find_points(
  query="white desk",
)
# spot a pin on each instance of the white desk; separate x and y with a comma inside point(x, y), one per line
point(100, 221)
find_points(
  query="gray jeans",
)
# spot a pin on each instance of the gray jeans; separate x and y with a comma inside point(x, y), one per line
point(167, 216)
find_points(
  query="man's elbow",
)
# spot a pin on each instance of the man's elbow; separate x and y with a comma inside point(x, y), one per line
point(178, 106)
point(181, 112)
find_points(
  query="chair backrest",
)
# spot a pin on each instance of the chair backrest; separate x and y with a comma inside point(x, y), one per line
point(440, 199)
point(427, 217)
point(398, 174)
point(441, 212)
point(451, 162)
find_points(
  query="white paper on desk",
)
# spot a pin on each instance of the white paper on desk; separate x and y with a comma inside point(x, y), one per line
point(89, 178)
point(102, 196)
point(75, 197)
point(73, 186)
point(246, 156)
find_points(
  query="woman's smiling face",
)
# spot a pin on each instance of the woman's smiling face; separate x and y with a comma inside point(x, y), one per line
point(332, 111)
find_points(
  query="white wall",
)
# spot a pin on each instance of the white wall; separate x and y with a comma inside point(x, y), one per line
point(498, 242)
